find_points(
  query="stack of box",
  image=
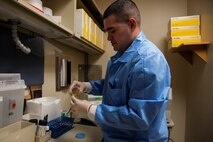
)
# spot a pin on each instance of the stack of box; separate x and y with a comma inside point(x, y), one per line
point(92, 31)
point(99, 37)
point(82, 21)
point(184, 30)
point(86, 28)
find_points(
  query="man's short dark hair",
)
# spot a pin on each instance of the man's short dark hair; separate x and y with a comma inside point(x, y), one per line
point(123, 10)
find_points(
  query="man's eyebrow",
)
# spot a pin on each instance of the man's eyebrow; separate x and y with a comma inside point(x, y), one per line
point(107, 29)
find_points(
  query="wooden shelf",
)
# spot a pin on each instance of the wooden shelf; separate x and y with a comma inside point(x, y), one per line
point(32, 19)
point(187, 50)
point(82, 44)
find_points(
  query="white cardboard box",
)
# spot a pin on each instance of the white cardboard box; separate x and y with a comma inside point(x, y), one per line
point(82, 24)
point(99, 37)
point(92, 31)
point(43, 106)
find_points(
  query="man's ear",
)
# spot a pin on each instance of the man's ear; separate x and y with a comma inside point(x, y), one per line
point(132, 23)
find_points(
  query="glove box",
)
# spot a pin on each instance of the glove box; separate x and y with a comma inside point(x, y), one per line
point(44, 106)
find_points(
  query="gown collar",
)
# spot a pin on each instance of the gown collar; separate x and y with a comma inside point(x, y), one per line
point(125, 56)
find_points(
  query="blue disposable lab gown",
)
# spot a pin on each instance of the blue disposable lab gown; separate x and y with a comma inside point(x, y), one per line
point(135, 95)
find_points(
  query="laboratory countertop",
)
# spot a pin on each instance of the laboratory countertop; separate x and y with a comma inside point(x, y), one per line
point(91, 133)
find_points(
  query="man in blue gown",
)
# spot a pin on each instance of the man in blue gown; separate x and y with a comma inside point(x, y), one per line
point(136, 86)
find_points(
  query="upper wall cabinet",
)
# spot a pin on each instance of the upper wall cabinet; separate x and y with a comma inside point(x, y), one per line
point(32, 19)
point(62, 30)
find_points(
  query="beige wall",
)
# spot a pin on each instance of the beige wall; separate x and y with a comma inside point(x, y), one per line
point(199, 122)
point(102, 60)
point(155, 15)
point(49, 86)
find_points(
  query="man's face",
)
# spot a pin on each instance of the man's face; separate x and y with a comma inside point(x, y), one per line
point(119, 33)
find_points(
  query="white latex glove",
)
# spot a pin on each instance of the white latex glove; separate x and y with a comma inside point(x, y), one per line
point(79, 108)
point(78, 87)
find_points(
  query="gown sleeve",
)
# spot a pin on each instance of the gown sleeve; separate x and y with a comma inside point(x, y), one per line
point(97, 87)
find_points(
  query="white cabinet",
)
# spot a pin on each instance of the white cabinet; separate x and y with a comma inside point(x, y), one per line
point(34, 20)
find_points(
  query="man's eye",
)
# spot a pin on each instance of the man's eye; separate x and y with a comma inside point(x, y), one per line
point(112, 31)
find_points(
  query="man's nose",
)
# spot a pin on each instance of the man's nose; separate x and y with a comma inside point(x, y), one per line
point(109, 37)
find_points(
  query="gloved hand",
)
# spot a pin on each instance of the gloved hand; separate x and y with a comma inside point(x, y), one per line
point(78, 87)
point(79, 108)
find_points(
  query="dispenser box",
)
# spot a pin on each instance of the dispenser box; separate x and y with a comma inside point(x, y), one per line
point(41, 107)
point(176, 41)
point(104, 40)
point(193, 20)
point(82, 24)
point(92, 31)
point(21, 131)
point(99, 37)
point(12, 102)
point(184, 31)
